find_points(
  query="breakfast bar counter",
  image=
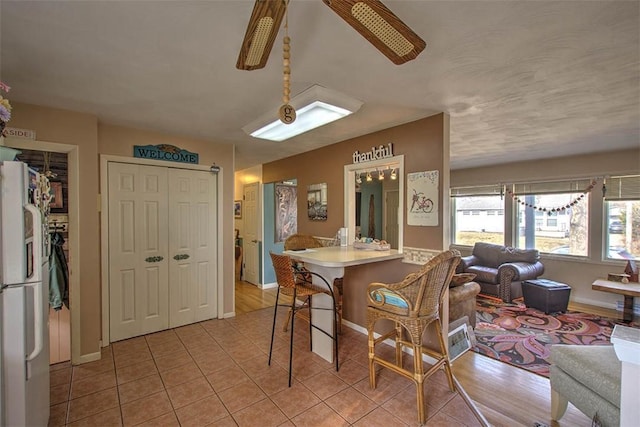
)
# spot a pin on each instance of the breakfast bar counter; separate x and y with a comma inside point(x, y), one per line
point(342, 256)
point(330, 262)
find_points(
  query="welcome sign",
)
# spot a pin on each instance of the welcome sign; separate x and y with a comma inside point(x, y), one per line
point(166, 152)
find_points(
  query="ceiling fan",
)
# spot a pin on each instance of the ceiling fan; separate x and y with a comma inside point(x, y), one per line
point(372, 19)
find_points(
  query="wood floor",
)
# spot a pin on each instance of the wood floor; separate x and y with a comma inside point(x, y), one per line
point(504, 394)
point(250, 297)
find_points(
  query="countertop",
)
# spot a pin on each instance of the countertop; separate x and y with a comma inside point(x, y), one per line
point(342, 256)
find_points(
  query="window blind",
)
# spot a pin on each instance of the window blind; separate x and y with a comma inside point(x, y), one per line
point(482, 190)
point(553, 187)
point(623, 188)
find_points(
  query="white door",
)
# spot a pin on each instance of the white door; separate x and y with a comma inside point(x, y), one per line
point(192, 249)
point(138, 250)
point(391, 218)
point(251, 233)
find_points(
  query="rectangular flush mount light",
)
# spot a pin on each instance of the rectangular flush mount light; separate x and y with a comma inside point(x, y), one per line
point(314, 107)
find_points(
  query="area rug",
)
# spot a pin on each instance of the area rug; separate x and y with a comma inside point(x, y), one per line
point(522, 336)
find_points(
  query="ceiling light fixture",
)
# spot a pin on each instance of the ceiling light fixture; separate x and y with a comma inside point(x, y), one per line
point(380, 175)
point(358, 178)
point(394, 174)
point(369, 177)
point(314, 107)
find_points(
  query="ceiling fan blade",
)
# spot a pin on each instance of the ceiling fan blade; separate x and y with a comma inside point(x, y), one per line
point(381, 27)
point(261, 33)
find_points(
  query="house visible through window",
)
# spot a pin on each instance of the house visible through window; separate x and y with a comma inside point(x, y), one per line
point(553, 217)
point(474, 215)
point(622, 217)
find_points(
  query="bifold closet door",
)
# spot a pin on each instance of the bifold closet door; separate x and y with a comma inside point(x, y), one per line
point(192, 246)
point(138, 250)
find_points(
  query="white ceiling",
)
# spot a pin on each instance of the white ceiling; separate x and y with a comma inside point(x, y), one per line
point(520, 79)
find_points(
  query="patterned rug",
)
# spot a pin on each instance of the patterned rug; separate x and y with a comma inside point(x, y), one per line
point(522, 336)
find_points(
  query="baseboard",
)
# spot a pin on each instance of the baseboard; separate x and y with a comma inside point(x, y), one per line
point(91, 357)
point(430, 360)
point(228, 315)
point(595, 303)
point(268, 285)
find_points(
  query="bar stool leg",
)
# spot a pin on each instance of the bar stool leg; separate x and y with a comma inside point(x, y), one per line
point(293, 321)
point(273, 328)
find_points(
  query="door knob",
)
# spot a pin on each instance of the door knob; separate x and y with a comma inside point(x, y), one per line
point(154, 259)
point(254, 241)
point(178, 257)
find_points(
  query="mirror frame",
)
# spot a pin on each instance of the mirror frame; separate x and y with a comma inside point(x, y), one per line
point(320, 191)
point(350, 193)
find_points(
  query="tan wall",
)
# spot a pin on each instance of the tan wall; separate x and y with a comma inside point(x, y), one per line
point(423, 143)
point(587, 165)
point(579, 273)
point(67, 127)
point(92, 139)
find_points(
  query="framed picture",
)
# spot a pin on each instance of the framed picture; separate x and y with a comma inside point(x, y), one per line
point(57, 201)
point(286, 211)
point(459, 342)
point(237, 209)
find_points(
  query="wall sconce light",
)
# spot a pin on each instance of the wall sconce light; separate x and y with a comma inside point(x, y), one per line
point(394, 174)
point(380, 175)
point(369, 177)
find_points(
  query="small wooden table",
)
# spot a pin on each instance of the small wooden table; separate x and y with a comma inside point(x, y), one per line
point(628, 290)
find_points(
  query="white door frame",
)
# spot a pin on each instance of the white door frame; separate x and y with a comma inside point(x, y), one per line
point(104, 230)
point(73, 194)
point(256, 232)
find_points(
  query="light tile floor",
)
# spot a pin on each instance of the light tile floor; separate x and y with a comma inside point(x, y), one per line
point(216, 373)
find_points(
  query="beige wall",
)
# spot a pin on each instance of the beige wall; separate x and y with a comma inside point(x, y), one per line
point(578, 273)
point(92, 139)
point(424, 143)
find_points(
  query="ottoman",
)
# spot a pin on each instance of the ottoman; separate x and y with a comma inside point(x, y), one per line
point(546, 295)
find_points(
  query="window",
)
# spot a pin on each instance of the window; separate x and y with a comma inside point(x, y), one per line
point(482, 225)
point(554, 216)
point(622, 218)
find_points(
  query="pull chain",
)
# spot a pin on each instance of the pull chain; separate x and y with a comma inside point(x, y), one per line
point(287, 112)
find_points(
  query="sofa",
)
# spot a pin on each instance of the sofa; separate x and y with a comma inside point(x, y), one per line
point(500, 270)
point(588, 376)
point(462, 301)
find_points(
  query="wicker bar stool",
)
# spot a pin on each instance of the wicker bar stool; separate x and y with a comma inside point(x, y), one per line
point(298, 286)
point(306, 241)
point(412, 304)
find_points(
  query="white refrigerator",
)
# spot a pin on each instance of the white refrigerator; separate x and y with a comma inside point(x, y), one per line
point(24, 301)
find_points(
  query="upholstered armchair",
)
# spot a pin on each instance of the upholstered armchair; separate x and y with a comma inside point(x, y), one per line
point(500, 270)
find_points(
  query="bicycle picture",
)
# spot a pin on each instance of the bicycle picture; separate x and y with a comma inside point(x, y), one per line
point(421, 203)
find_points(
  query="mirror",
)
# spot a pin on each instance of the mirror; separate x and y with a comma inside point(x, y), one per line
point(317, 202)
point(376, 206)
